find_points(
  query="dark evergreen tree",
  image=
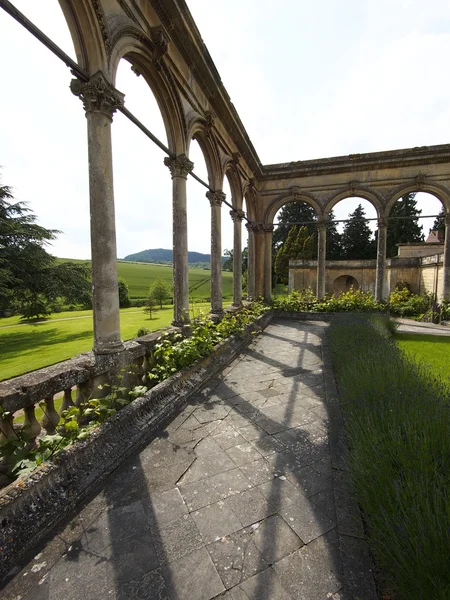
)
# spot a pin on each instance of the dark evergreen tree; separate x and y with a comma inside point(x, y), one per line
point(357, 242)
point(334, 246)
point(284, 252)
point(294, 212)
point(439, 222)
point(402, 230)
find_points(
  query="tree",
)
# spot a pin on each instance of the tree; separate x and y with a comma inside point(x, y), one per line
point(334, 245)
point(281, 266)
point(160, 291)
point(356, 238)
point(403, 230)
point(294, 212)
point(30, 277)
point(439, 222)
point(228, 264)
point(150, 306)
point(124, 299)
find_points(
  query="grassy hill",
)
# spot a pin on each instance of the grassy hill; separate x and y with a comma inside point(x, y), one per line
point(140, 276)
point(161, 255)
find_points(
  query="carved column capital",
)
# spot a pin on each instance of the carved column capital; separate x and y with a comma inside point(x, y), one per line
point(382, 223)
point(322, 225)
point(268, 228)
point(180, 166)
point(97, 94)
point(255, 227)
point(237, 215)
point(216, 198)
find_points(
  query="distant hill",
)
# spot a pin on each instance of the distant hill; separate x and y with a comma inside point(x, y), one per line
point(160, 255)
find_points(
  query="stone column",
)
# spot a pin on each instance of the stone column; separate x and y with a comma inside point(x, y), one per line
point(216, 198)
point(268, 230)
point(258, 232)
point(321, 257)
point(237, 216)
point(446, 266)
point(100, 100)
point(251, 294)
point(180, 167)
point(381, 260)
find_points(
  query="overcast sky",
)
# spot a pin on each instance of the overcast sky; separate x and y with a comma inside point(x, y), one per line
point(308, 79)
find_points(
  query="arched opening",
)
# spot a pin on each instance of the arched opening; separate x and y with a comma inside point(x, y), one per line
point(294, 238)
point(351, 232)
point(227, 244)
point(344, 283)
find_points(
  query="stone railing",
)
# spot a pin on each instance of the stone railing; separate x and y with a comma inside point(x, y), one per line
point(76, 381)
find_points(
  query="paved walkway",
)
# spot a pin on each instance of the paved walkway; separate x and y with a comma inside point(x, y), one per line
point(239, 498)
point(410, 326)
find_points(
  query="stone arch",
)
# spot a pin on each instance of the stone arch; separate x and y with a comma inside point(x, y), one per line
point(137, 51)
point(438, 191)
point(248, 195)
point(343, 283)
point(356, 192)
point(289, 198)
point(86, 33)
point(210, 153)
point(235, 186)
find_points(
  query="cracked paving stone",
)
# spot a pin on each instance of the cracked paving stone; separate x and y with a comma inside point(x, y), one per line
point(216, 521)
point(305, 518)
point(251, 432)
point(258, 472)
point(250, 506)
point(243, 453)
point(274, 539)
point(309, 481)
point(229, 438)
point(206, 466)
point(263, 586)
point(151, 586)
point(193, 577)
point(131, 559)
point(177, 539)
point(164, 508)
point(208, 491)
point(314, 571)
point(267, 444)
point(236, 558)
point(211, 412)
point(206, 446)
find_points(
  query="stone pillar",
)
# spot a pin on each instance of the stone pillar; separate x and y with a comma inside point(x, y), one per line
point(216, 198)
point(180, 167)
point(237, 216)
point(381, 260)
point(258, 232)
point(268, 230)
point(321, 257)
point(446, 267)
point(100, 100)
point(251, 293)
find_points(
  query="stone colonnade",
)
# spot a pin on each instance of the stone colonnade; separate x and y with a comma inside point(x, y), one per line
point(101, 100)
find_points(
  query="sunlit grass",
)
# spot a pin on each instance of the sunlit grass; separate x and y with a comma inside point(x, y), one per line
point(432, 350)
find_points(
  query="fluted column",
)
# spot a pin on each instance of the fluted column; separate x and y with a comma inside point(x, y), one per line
point(251, 262)
point(180, 167)
point(446, 267)
point(100, 100)
point(216, 198)
point(321, 257)
point(237, 216)
point(268, 231)
point(381, 260)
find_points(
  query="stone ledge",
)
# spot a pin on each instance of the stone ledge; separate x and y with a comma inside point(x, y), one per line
point(31, 508)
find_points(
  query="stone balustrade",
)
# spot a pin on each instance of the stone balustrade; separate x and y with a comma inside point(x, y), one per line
point(77, 380)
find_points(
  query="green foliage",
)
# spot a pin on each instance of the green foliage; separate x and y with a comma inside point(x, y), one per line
point(159, 291)
point(398, 425)
point(142, 331)
point(296, 301)
point(403, 230)
point(351, 301)
point(439, 223)
point(284, 255)
point(124, 298)
point(406, 304)
point(356, 240)
point(294, 212)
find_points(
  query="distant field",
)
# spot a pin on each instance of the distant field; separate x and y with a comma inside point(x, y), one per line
point(139, 277)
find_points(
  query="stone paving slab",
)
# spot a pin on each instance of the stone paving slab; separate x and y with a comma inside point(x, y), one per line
point(241, 497)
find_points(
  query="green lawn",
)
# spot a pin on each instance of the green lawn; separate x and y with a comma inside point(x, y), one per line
point(432, 350)
point(31, 346)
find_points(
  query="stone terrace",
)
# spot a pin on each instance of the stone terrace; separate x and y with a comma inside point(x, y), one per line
point(241, 497)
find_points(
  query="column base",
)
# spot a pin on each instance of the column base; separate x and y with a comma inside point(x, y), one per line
point(181, 323)
point(109, 348)
point(216, 316)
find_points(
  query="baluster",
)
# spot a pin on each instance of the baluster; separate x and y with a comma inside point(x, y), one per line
point(51, 418)
point(31, 427)
point(67, 400)
point(146, 366)
point(82, 394)
point(6, 427)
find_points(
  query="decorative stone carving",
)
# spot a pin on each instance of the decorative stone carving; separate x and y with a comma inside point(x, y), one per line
point(161, 44)
point(237, 215)
point(216, 198)
point(209, 122)
point(353, 186)
point(383, 222)
point(235, 158)
point(136, 71)
point(322, 225)
point(102, 23)
point(420, 180)
point(268, 228)
point(180, 166)
point(255, 227)
point(97, 94)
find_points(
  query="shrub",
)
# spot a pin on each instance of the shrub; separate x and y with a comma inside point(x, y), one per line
point(124, 300)
point(406, 304)
point(398, 425)
point(142, 331)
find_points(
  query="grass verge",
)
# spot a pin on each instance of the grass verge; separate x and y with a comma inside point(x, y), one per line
point(398, 426)
point(432, 350)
